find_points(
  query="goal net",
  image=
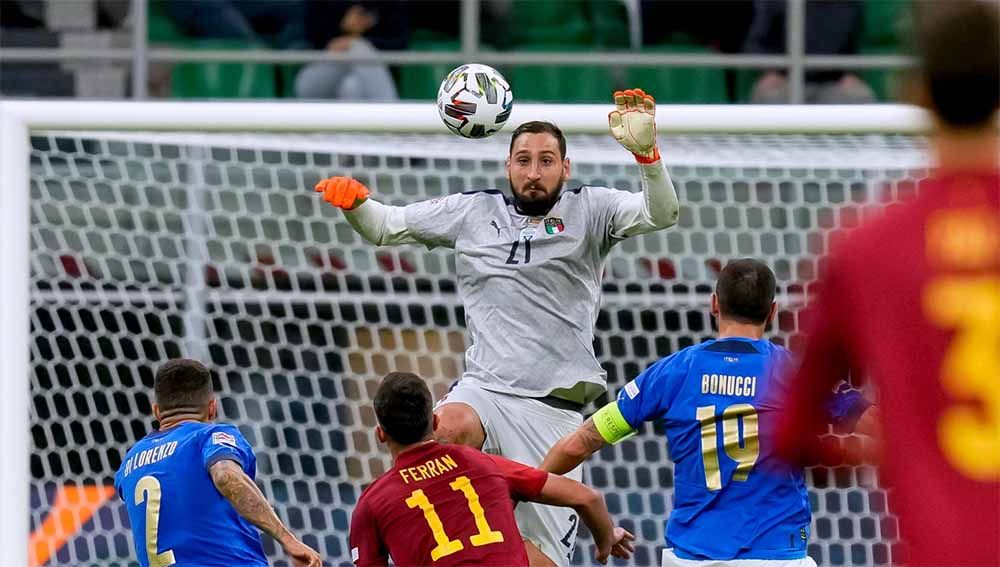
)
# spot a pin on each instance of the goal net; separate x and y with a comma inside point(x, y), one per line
point(151, 245)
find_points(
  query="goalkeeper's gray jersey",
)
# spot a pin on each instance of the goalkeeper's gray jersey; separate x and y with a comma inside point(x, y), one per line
point(531, 286)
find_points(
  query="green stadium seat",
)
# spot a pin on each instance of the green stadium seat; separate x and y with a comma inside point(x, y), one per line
point(886, 24)
point(421, 82)
point(681, 84)
point(222, 80)
point(197, 80)
point(564, 84)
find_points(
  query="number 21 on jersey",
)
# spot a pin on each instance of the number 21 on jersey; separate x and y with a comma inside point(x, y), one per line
point(739, 441)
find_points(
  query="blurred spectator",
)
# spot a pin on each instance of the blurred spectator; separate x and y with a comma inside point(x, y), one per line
point(356, 27)
point(832, 28)
point(278, 23)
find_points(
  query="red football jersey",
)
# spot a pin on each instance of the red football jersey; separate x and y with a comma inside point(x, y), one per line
point(913, 301)
point(444, 505)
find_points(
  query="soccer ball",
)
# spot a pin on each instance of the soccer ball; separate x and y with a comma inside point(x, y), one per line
point(475, 101)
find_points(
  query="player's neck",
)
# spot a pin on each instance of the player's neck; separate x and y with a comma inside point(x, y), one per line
point(961, 150)
point(175, 420)
point(736, 330)
point(396, 449)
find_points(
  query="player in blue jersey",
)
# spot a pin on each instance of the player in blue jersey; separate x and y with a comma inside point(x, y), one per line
point(188, 487)
point(718, 401)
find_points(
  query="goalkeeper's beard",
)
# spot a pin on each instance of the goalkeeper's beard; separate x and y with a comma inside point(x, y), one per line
point(538, 206)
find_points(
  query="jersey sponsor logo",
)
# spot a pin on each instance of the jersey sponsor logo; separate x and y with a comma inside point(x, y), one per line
point(631, 390)
point(223, 438)
point(732, 359)
point(554, 225)
point(528, 233)
point(494, 224)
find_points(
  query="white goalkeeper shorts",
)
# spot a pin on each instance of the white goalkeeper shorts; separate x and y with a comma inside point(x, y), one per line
point(668, 559)
point(523, 430)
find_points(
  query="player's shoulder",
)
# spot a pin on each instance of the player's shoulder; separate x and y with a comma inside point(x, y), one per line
point(384, 487)
point(590, 192)
point(483, 196)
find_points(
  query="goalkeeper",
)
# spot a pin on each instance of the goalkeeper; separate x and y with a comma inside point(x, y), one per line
point(529, 272)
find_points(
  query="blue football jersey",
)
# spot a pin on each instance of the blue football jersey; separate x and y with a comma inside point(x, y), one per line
point(178, 517)
point(718, 402)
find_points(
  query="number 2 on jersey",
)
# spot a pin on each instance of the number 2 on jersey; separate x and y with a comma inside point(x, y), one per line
point(148, 490)
point(446, 546)
point(742, 448)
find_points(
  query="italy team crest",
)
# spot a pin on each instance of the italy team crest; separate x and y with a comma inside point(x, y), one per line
point(554, 225)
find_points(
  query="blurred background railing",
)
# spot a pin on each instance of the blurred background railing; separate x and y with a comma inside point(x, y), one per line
point(683, 51)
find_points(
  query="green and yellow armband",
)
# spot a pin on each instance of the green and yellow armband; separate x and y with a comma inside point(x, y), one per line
point(611, 424)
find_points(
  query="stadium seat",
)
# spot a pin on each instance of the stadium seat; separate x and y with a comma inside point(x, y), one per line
point(886, 24)
point(681, 84)
point(537, 83)
point(421, 82)
point(211, 80)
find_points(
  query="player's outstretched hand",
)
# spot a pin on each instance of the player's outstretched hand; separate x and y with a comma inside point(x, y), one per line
point(623, 547)
point(619, 544)
point(342, 192)
point(302, 555)
point(633, 124)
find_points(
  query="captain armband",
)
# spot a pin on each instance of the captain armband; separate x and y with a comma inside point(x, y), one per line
point(611, 424)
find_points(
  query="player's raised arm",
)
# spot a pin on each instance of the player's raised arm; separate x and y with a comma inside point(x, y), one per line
point(234, 484)
point(633, 125)
point(606, 427)
point(435, 222)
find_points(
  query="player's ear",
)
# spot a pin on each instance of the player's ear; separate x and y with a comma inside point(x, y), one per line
point(156, 411)
point(380, 434)
point(213, 409)
point(774, 311)
point(435, 422)
point(566, 168)
point(715, 305)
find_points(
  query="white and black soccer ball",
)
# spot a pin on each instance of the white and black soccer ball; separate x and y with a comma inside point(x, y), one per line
point(475, 101)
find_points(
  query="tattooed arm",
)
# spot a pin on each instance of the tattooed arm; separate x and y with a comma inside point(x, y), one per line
point(249, 502)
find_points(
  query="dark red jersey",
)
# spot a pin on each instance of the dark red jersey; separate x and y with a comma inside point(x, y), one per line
point(913, 301)
point(444, 505)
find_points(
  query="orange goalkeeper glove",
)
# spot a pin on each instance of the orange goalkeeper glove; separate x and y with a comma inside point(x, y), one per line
point(342, 192)
point(633, 124)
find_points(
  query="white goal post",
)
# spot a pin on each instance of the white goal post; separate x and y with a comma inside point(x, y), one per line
point(19, 119)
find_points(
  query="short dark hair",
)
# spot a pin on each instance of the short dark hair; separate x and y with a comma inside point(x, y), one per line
point(182, 383)
point(404, 408)
point(958, 44)
point(746, 291)
point(540, 127)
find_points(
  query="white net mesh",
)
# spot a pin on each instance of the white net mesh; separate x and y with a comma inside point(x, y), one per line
point(149, 246)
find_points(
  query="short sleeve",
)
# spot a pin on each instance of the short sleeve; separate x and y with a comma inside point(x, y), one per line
point(366, 545)
point(438, 222)
point(525, 482)
point(649, 396)
point(225, 441)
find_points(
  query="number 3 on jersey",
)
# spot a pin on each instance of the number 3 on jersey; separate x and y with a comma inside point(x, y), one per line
point(739, 443)
point(446, 546)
